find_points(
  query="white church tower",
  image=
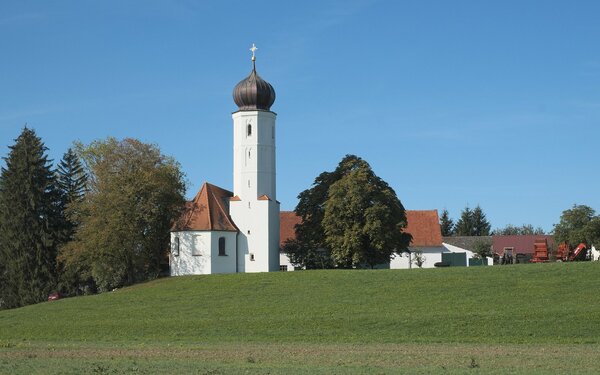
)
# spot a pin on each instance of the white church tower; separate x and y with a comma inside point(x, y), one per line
point(254, 207)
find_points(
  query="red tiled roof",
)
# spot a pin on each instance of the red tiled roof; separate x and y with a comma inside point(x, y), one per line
point(209, 210)
point(287, 224)
point(520, 243)
point(264, 197)
point(424, 226)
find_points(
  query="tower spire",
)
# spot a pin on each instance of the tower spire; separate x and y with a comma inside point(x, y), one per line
point(253, 49)
point(253, 92)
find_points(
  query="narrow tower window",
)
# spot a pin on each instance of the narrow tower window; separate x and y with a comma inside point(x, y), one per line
point(222, 246)
point(249, 130)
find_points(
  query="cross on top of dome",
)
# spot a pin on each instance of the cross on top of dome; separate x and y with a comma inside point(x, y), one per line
point(253, 92)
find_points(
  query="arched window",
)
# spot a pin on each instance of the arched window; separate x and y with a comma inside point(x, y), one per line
point(249, 130)
point(222, 246)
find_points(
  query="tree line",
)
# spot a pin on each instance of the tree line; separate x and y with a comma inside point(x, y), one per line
point(99, 220)
point(473, 222)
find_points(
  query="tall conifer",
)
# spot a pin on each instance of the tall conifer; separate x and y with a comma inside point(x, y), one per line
point(464, 226)
point(481, 226)
point(29, 220)
point(446, 224)
point(72, 180)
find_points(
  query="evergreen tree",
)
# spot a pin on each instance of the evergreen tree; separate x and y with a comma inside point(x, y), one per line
point(472, 223)
point(72, 181)
point(481, 226)
point(446, 224)
point(464, 226)
point(29, 223)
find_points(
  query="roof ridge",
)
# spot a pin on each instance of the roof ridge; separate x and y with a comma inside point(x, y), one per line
point(209, 208)
point(225, 212)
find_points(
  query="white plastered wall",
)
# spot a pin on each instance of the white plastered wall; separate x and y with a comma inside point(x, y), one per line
point(254, 154)
point(258, 240)
point(253, 177)
point(199, 253)
point(284, 260)
point(431, 256)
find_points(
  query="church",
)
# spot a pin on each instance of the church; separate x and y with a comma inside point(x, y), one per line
point(227, 232)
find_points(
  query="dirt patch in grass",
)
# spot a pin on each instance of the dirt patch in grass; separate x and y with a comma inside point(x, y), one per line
point(306, 358)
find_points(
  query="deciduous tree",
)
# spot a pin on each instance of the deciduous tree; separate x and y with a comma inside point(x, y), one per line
point(483, 249)
point(363, 219)
point(133, 194)
point(310, 249)
point(576, 225)
point(525, 229)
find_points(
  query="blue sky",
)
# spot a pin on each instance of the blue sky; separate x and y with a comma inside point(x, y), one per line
point(453, 103)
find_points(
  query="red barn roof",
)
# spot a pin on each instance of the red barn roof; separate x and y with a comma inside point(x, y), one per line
point(520, 243)
point(424, 226)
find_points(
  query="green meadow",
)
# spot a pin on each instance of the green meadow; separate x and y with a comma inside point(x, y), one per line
point(529, 319)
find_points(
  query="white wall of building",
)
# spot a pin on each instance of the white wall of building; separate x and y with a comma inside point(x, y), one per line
point(595, 253)
point(470, 254)
point(431, 256)
point(198, 253)
point(254, 177)
point(258, 240)
point(254, 154)
point(284, 260)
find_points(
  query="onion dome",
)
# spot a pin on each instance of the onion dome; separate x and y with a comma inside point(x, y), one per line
point(253, 92)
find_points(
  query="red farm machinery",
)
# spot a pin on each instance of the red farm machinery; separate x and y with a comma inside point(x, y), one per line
point(563, 253)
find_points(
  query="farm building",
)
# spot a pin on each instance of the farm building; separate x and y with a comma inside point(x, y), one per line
point(426, 247)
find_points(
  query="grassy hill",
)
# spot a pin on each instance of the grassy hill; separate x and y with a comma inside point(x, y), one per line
point(548, 307)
